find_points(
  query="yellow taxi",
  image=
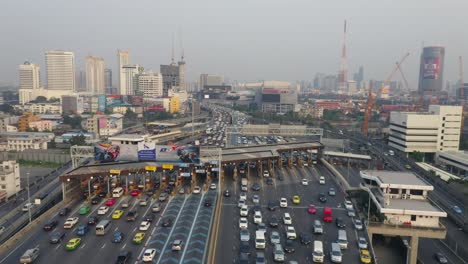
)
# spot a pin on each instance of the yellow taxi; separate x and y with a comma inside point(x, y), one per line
point(117, 214)
point(296, 199)
point(365, 256)
point(73, 244)
point(138, 238)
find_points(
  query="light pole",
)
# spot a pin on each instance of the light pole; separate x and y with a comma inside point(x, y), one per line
point(29, 198)
point(126, 183)
point(89, 189)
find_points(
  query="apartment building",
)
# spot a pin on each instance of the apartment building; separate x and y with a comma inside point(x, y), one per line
point(9, 178)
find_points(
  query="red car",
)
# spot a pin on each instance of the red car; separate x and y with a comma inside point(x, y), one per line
point(312, 209)
point(110, 202)
point(134, 193)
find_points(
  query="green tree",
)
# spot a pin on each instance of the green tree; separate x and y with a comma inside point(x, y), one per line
point(41, 99)
point(73, 120)
point(78, 140)
point(418, 156)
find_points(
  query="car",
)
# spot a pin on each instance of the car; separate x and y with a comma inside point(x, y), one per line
point(312, 209)
point(272, 205)
point(244, 247)
point(269, 181)
point(290, 246)
point(82, 230)
point(275, 237)
point(196, 190)
point(340, 223)
point(362, 243)
point(213, 186)
point(244, 235)
point(255, 187)
point(260, 258)
point(132, 216)
point(182, 190)
point(365, 256)
point(331, 191)
point(283, 202)
point(408, 167)
point(290, 232)
point(95, 200)
point(102, 194)
point(124, 257)
point(280, 177)
point(144, 226)
point(241, 203)
point(56, 237)
point(266, 173)
point(125, 204)
point(296, 199)
point(318, 227)
point(243, 196)
point(351, 212)
point(51, 224)
point(322, 198)
point(166, 222)
point(156, 208)
point(287, 220)
point(358, 224)
point(149, 217)
point(441, 258)
point(244, 211)
point(117, 237)
point(149, 255)
point(227, 193)
point(117, 214)
point(305, 182)
point(243, 258)
point(149, 191)
point(306, 239)
point(110, 202)
point(207, 202)
point(257, 217)
point(256, 199)
point(177, 245)
point(273, 221)
point(322, 180)
point(134, 193)
point(457, 209)
point(348, 205)
point(64, 211)
point(138, 238)
point(73, 243)
point(103, 210)
point(261, 227)
point(70, 222)
point(163, 197)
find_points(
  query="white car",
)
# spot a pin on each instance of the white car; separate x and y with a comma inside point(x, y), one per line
point(213, 186)
point(275, 237)
point(287, 219)
point(70, 222)
point(305, 182)
point(244, 211)
point(266, 173)
point(103, 210)
point(196, 189)
point(149, 254)
point(144, 225)
point(290, 232)
point(358, 224)
point(283, 202)
point(241, 203)
point(258, 217)
point(243, 223)
point(256, 199)
point(322, 180)
point(348, 205)
point(362, 243)
point(243, 196)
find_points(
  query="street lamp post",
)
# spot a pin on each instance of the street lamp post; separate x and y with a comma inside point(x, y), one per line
point(126, 182)
point(89, 189)
point(29, 198)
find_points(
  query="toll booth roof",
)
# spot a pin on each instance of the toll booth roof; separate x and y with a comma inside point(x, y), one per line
point(104, 168)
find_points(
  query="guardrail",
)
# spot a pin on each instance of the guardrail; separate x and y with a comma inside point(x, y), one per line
point(210, 257)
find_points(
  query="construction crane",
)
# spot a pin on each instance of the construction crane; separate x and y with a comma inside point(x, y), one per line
point(397, 68)
point(368, 112)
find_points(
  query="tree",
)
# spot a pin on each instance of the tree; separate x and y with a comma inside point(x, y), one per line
point(130, 115)
point(73, 121)
point(7, 109)
point(78, 140)
point(41, 99)
point(418, 156)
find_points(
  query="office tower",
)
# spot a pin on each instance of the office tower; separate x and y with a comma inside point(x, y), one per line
point(150, 84)
point(29, 76)
point(60, 67)
point(130, 79)
point(123, 58)
point(171, 77)
point(108, 78)
point(181, 64)
point(80, 81)
point(95, 74)
point(431, 70)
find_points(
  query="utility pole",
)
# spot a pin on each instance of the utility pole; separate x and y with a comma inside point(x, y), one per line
point(29, 198)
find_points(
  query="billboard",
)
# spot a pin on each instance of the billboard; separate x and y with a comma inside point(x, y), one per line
point(178, 154)
point(146, 151)
point(102, 103)
point(113, 99)
point(431, 68)
point(104, 152)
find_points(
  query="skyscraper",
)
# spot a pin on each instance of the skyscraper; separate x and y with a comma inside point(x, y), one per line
point(431, 70)
point(123, 58)
point(95, 75)
point(29, 82)
point(108, 78)
point(60, 69)
point(171, 77)
point(150, 84)
point(130, 79)
point(359, 77)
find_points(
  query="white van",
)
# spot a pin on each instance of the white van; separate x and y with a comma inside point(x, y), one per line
point(117, 192)
point(27, 207)
point(342, 239)
point(260, 241)
point(317, 254)
point(335, 253)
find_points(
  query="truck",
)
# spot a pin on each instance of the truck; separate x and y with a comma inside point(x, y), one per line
point(327, 214)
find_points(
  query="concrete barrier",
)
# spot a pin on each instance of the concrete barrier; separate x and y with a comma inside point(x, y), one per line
point(210, 257)
point(340, 179)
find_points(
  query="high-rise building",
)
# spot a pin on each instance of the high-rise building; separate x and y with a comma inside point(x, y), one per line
point(130, 79)
point(123, 58)
point(108, 78)
point(359, 77)
point(431, 70)
point(181, 64)
point(171, 77)
point(60, 66)
point(95, 75)
point(80, 81)
point(29, 82)
point(150, 84)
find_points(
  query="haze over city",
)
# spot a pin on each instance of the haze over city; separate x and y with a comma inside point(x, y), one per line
point(244, 40)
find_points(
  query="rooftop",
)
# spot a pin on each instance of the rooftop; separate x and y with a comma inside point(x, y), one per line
point(394, 177)
point(410, 206)
point(128, 137)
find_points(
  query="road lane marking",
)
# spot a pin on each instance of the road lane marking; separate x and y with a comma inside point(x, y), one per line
point(191, 228)
point(57, 247)
point(124, 246)
point(103, 245)
point(83, 245)
point(117, 228)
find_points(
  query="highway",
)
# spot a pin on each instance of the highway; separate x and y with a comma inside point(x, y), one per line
point(229, 239)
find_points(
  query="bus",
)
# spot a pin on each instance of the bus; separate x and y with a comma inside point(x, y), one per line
point(102, 227)
point(117, 192)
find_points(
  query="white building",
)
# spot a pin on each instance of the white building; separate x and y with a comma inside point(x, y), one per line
point(26, 143)
point(95, 75)
point(130, 79)
point(402, 198)
point(428, 132)
point(60, 66)
point(43, 108)
point(110, 125)
point(150, 84)
point(29, 82)
point(123, 58)
point(9, 178)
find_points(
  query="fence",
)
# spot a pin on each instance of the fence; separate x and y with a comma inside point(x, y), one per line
point(36, 155)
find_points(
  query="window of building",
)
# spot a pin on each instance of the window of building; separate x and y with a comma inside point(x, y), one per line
point(443, 118)
point(3, 178)
point(416, 192)
point(393, 191)
point(413, 218)
point(3, 187)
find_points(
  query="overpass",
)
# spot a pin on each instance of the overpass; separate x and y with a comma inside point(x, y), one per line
point(336, 154)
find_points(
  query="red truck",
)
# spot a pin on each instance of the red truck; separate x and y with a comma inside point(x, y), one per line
point(327, 215)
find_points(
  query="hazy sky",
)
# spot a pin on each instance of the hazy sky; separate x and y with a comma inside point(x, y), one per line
point(243, 40)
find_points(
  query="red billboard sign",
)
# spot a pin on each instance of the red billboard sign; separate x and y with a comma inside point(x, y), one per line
point(431, 68)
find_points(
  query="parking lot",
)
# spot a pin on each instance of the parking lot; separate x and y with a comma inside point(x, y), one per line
point(228, 245)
